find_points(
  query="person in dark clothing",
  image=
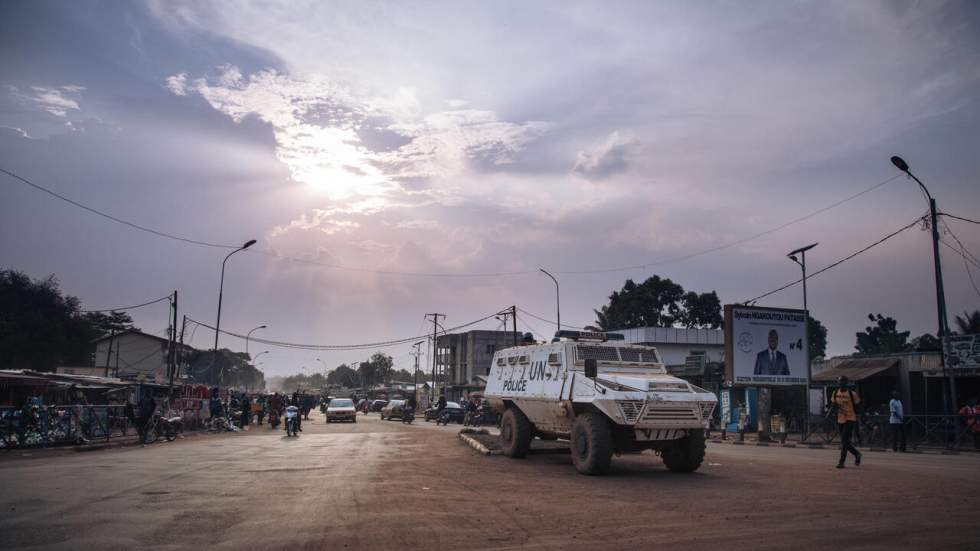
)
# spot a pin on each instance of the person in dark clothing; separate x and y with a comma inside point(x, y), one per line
point(246, 407)
point(298, 402)
point(411, 402)
point(307, 405)
point(147, 407)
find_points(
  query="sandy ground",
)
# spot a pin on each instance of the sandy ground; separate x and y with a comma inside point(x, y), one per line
point(384, 485)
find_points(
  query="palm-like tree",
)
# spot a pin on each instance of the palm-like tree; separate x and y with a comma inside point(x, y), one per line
point(968, 323)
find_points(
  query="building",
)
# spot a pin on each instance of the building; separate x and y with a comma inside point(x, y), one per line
point(133, 354)
point(917, 376)
point(463, 359)
point(696, 355)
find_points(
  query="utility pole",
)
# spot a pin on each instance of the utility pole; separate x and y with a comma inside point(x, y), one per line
point(416, 354)
point(172, 351)
point(108, 354)
point(180, 350)
point(435, 349)
point(513, 313)
point(949, 404)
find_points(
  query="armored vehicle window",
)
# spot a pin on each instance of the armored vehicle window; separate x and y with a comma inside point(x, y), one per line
point(554, 359)
point(630, 355)
point(604, 353)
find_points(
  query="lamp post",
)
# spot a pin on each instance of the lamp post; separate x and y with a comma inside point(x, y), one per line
point(221, 288)
point(249, 334)
point(416, 354)
point(557, 296)
point(257, 356)
point(324, 370)
point(950, 404)
point(806, 324)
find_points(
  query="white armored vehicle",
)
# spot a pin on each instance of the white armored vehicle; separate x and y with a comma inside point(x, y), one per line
point(603, 395)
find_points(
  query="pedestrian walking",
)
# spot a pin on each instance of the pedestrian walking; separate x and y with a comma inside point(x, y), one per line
point(846, 401)
point(896, 422)
point(971, 416)
point(246, 407)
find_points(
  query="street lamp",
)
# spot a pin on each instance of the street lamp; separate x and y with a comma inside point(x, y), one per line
point(557, 296)
point(940, 294)
point(221, 288)
point(257, 356)
point(249, 334)
point(324, 370)
point(806, 325)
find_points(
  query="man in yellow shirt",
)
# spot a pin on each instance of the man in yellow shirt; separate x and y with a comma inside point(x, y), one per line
point(847, 401)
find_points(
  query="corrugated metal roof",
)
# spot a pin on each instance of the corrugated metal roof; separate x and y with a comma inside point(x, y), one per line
point(672, 335)
point(856, 370)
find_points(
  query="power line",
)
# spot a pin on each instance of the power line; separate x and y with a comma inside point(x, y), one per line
point(959, 218)
point(113, 218)
point(448, 274)
point(736, 242)
point(839, 262)
point(966, 264)
point(553, 322)
point(360, 346)
point(161, 299)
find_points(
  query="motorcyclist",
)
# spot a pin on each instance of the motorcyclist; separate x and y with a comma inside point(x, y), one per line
point(293, 418)
point(298, 404)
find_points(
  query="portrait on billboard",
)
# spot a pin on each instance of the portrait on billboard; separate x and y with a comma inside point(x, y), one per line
point(765, 346)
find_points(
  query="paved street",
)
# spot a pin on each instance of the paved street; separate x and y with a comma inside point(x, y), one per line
point(383, 485)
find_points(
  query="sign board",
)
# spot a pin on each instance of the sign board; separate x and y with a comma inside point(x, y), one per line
point(962, 353)
point(765, 346)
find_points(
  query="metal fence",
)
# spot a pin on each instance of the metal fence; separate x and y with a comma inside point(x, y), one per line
point(921, 431)
point(41, 426)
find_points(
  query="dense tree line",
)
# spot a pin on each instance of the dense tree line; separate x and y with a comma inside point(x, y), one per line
point(41, 328)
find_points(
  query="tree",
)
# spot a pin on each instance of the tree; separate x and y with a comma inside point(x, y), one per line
point(231, 369)
point(882, 338)
point(344, 375)
point(659, 302)
point(816, 338)
point(968, 323)
point(926, 343)
point(105, 324)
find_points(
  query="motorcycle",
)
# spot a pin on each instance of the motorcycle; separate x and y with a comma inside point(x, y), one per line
point(274, 418)
point(163, 427)
point(408, 415)
point(292, 420)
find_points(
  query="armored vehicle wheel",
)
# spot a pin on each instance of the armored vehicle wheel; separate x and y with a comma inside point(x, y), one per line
point(591, 444)
point(516, 433)
point(685, 455)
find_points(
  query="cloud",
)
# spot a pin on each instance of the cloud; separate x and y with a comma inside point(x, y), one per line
point(178, 84)
point(607, 159)
point(326, 134)
point(57, 101)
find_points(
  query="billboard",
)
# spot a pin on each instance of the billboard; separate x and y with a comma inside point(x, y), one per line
point(765, 346)
point(962, 353)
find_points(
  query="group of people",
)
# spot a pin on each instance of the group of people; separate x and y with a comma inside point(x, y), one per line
point(259, 406)
point(847, 403)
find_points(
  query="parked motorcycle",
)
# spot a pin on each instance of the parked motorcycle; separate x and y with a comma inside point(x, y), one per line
point(292, 420)
point(163, 427)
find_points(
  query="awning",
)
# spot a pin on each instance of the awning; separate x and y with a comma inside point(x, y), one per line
point(855, 370)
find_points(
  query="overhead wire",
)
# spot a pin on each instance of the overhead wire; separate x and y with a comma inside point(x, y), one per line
point(839, 262)
point(133, 307)
point(948, 215)
point(275, 254)
point(539, 318)
point(966, 264)
point(358, 346)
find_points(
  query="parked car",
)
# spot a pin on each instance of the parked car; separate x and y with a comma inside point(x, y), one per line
point(393, 410)
point(378, 405)
point(341, 409)
point(453, 409)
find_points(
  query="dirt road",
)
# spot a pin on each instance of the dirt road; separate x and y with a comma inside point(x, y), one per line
point(383, 485)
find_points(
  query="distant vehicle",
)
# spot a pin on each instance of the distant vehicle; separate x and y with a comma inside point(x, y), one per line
point(604, 396)
point(455, 412)
point(378, 405)
point(393, 410)
point(341, 409)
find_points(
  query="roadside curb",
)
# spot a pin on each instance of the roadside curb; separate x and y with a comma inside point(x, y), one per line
point(477, 445)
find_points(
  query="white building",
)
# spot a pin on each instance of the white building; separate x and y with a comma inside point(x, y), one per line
point(133, 354)
point(680, 346)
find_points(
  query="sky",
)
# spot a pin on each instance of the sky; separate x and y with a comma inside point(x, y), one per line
point(397, 159)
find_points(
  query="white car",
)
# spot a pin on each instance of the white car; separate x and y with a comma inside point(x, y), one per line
point(341, 409)
point(601, 394)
